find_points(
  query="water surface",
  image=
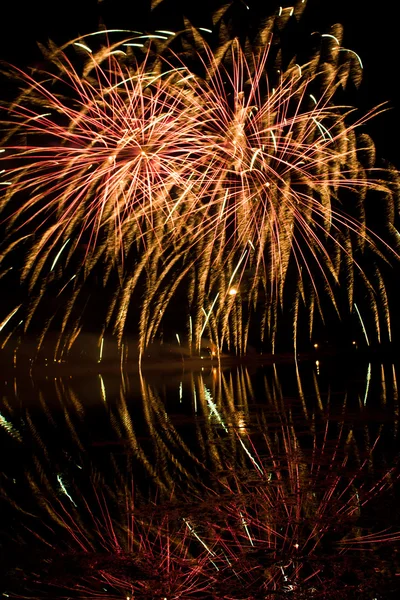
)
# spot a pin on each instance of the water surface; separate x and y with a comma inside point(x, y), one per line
point(206, 482)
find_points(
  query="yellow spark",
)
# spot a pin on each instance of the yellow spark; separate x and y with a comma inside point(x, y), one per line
point(368, 383)
point(223, 204)
point(255, 463)
point(37, 117)
point(274, 140)
point(64, 489)
point(244, 523)
point(101, 349)
point(8, 317)
point(153, 36)
point(9, 427)
point(254, 157)
point(362, 324)
point(190, 330)
point(213, 408)
point(188, 525)
point(58, 255)
point(105, 31)
point(103, 389)
point(328, 35)
point(352, 52)
point(63, 288)
point(322, 129)
point(83, 46)
point(237, 267)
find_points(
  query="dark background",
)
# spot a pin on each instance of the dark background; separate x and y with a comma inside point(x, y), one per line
point(370, 28)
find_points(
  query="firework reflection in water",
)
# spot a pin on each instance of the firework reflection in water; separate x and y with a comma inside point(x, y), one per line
point(235, 181)
point(280, 492)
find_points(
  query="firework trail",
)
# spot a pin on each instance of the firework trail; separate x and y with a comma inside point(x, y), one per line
point(164, 167)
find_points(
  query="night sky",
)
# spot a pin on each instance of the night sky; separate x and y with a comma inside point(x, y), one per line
point(370, 29)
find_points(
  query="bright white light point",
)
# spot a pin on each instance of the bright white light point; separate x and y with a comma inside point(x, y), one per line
point(58, 255)
point(8, 317)
point(64, 490)
point(101, 349)
point(352, 52)
point(317, 363)
point(83, 46)
point(315, 345)
point(233, 291)
point(296, 546)
point(40, 116)
point(154, 37)
point(328, 35)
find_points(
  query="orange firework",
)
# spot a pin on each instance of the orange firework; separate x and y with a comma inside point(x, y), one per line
point(245, 186)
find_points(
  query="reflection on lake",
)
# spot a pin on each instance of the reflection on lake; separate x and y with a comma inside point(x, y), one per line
point(242, 483)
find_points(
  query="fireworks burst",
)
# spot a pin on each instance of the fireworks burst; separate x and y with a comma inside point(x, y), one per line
point(214, 172)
